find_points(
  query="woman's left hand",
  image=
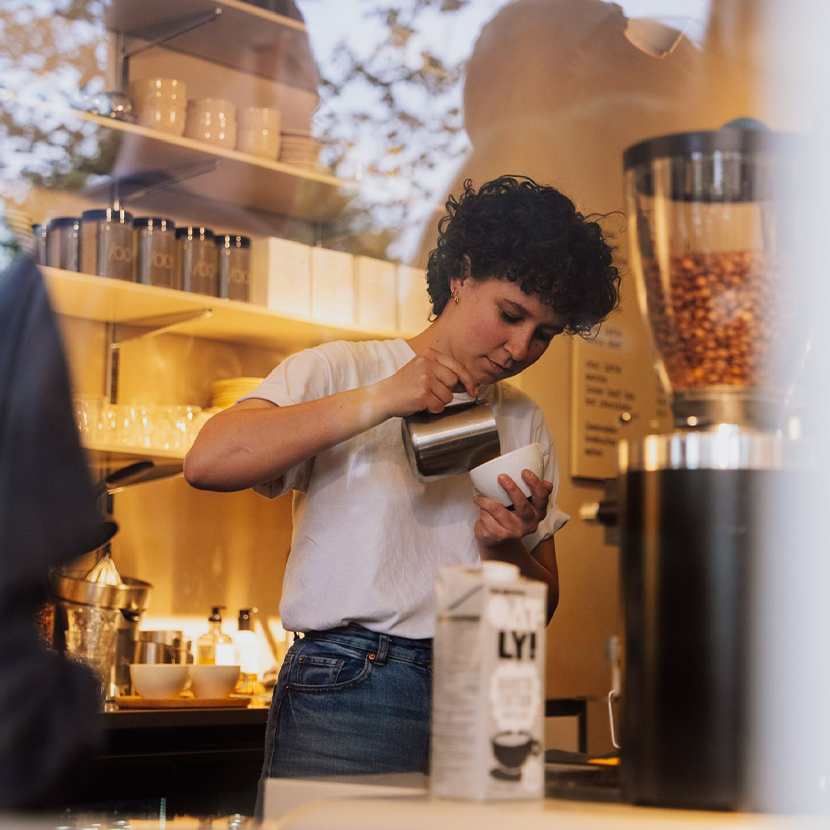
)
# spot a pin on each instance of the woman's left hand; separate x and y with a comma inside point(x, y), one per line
point(498, 524)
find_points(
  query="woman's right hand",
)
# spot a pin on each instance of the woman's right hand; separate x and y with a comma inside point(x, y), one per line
point(426, 383)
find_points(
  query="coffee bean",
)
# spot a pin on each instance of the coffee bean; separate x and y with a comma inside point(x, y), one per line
point(726, 314)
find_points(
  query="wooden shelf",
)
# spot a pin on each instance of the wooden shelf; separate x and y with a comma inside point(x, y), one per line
point(114, 301)
point(107, 455)
point(242, 180)
point(101, 458)
point(245, 37)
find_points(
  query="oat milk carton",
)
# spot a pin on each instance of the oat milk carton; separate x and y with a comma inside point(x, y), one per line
point(488, 689)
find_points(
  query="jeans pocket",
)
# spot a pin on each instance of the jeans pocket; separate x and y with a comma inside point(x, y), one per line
point(320, 665)
point(317, 671)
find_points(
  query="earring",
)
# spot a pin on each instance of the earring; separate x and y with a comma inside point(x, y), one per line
point(454, 294)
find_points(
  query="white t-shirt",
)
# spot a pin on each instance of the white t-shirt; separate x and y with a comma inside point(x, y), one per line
point(368, 536)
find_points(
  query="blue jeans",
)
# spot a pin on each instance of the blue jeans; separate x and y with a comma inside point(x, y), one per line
point(350, 702)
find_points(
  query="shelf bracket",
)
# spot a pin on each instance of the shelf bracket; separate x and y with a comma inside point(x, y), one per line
point(156, 325)
point(179, 174)
point(187, 24)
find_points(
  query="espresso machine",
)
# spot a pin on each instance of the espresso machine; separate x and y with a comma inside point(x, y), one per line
point(710, 252)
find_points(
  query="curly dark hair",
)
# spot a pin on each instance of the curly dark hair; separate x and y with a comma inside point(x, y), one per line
point(515, 229)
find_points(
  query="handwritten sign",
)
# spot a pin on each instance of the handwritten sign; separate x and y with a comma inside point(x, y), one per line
point(614, 395)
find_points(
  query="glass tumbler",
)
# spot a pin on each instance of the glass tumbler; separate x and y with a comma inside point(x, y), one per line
point(89, 416)
point(123, 426)
point(143, 424)
point(186, 420)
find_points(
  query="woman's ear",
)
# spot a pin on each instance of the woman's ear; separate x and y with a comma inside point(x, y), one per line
point(457, 282)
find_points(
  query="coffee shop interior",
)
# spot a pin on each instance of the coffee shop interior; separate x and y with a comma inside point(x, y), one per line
point(210, 187)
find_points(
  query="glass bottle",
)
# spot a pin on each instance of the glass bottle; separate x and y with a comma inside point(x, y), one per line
point(215, 647)
point(247, 649)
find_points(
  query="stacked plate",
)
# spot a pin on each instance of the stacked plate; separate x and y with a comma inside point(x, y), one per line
point(227, 392)
point(299, 148)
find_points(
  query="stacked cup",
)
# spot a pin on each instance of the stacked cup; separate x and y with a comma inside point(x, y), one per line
point(259, 132)
point(212, 120)
point(160, 103)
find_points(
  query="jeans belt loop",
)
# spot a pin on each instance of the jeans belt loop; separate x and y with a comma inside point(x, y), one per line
point(383, 649)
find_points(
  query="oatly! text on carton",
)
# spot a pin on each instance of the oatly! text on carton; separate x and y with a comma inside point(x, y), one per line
point(488, 690)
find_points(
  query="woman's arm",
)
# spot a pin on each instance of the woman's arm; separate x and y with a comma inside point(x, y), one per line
point(539, 564)
point(499, 532)
point(257, 441)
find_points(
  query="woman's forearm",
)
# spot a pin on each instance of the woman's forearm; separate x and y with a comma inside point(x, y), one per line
point(514, 551)
point(244, 446)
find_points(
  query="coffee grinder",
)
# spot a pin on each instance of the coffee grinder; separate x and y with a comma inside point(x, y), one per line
point(709, 253)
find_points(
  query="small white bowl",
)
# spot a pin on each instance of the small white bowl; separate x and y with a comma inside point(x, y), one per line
point(159, 681)
point(214, 681)
point(486, 476)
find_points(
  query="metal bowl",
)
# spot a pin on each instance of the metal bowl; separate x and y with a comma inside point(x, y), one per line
point(72, 586)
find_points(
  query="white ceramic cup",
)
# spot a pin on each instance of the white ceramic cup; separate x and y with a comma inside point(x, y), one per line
point(258, 132)
point(160, 103)
point(212, 120)
point(214, 681)
point(260, 143)
point(158, 681)
point(486, 476)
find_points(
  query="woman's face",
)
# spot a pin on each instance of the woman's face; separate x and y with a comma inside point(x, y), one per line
point(497, 330)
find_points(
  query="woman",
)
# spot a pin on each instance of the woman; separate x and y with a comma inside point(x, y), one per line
point(515, 265)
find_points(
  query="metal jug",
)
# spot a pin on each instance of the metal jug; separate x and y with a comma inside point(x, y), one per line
point(162, 646)
point(454, 441)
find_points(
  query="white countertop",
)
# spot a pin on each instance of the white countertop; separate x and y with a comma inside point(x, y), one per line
point(423, 813)
point(402, 802)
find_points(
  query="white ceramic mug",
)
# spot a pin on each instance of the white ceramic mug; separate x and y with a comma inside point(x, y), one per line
point(212, 120)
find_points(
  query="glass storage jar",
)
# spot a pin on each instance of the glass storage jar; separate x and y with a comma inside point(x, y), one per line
point(63, 243)
point(155, 252)
point(196, 254)
point(107, 243)
point(234, 266)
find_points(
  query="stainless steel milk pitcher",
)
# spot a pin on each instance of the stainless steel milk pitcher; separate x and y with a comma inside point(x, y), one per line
point(454, 441)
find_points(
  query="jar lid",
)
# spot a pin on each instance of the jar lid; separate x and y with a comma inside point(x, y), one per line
point(230, 240)
point(193, 230)
point(64, 221)
point(109, 214)
point(160, 221)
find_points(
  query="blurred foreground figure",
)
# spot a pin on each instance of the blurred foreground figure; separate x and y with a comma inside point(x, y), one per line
point(47, 517)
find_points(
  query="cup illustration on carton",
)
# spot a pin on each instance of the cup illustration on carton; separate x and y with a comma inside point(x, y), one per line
point(511, 750)
point(515, 694)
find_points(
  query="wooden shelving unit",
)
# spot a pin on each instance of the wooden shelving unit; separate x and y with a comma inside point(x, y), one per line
point(242, 180)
